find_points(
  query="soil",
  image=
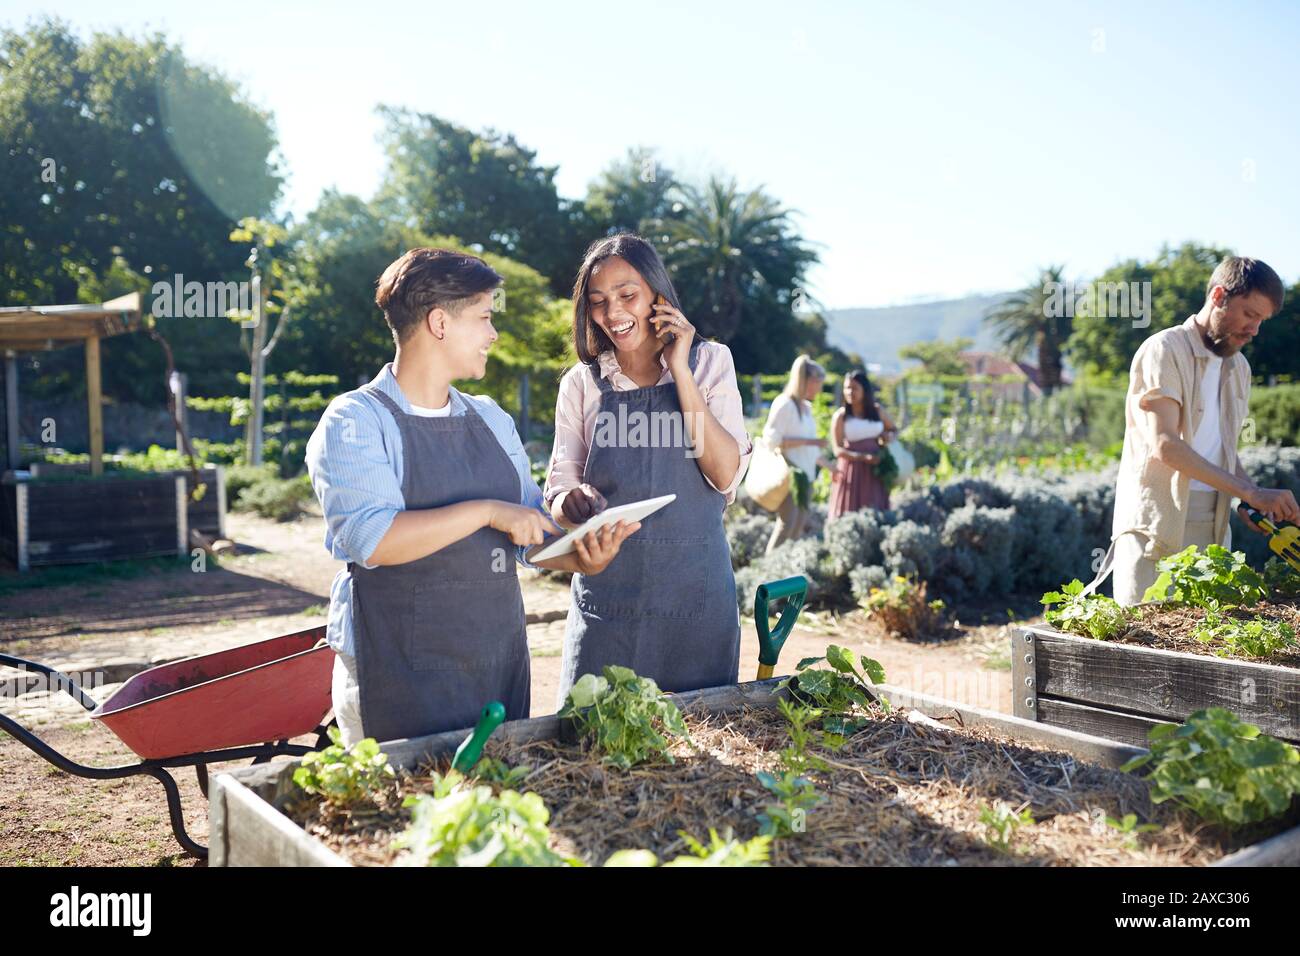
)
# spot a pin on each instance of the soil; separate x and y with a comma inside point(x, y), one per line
point(130, 615)
point(1171, 626)
point(898, 793)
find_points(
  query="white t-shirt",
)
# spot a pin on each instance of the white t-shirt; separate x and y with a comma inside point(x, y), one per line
point(860, 429)
point(784, 421)
point(1208, 440)
point(424, 412)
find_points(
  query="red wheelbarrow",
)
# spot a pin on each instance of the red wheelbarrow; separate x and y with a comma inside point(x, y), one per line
point(242, 703)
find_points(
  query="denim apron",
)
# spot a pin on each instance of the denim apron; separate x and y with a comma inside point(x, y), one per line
point(439, 637)
point(666, 606)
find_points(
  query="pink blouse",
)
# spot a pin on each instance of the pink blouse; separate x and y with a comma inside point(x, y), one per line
point(579, 403)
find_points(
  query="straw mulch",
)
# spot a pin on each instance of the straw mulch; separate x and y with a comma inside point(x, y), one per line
point(898, 793)
point(1170, 626)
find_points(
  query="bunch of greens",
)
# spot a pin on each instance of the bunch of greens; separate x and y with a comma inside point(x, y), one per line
point(1214, 577)
point(463, 825)
point(839, 690)
point(1221, 768)
point(1256, 637)
point(886, 467)
point(625, 716)
point(720, 851)
point(1092, 615)
point(344, 776)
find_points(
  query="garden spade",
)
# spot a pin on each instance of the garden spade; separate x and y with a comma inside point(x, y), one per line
point(471, 748)
point(1283, 539)
point(770, 641)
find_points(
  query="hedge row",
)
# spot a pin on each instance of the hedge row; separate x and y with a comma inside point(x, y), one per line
point(969, 538)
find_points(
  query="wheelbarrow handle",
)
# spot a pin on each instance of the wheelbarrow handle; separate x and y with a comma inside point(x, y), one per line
point(60, 680)
point(771, 640)
point(471, 748)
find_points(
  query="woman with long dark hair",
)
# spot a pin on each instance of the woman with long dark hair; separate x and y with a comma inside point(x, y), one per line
point(860, 428)
point(650, 409)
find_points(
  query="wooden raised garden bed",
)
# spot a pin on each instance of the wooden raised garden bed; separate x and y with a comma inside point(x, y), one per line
point(66, 519)
point(1120, 690)
point(905, 791)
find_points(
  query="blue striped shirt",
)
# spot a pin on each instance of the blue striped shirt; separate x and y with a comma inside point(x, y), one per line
point(354, 458)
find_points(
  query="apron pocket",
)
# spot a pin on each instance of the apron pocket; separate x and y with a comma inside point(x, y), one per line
point(464, 625)
point(659, 578)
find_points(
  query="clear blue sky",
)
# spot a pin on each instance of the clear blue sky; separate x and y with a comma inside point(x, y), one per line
point(931, 149)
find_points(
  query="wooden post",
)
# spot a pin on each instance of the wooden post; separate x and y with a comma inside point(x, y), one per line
point(253, 451)
point(13, 437)
point(180, 386)
point(95, 406)
point(524, 411)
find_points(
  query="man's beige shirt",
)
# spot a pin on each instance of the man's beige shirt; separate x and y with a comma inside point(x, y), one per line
point(1151, 497)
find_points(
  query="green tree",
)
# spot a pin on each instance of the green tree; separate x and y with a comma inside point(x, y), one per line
point(1025, 322)
point(1106, 345)
point(124, 164)
point(630, 194)
point(484, 188)
point(739, 266)
point(938, 357)
point(1276, 350)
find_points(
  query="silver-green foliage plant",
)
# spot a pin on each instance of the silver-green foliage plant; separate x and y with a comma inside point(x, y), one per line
point(1221, 768)
point(470, 826)
point(1091, 615)
point(628, 719)
point(344, 776)
point(1214, 577)
point(1255, 637)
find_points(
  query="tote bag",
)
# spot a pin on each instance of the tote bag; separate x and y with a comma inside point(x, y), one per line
point(768, 478)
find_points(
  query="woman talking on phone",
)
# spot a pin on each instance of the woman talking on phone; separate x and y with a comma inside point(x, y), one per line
point(649, 410)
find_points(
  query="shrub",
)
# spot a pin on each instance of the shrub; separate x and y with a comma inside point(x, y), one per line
point(1276, 412)
point(278, 498)
point(747, 536)
point(901, 609)
point(976, 557)
point(862, 580)
point(853, 540)
point(807, 557)
point(1048, 543)
point(239, 477)
point(910, 549)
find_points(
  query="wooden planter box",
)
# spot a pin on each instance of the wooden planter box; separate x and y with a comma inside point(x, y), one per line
point(1120, 691)
point(106, 518)
point(246, 828)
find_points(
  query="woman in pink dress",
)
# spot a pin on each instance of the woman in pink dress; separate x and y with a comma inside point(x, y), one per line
point(859, 429)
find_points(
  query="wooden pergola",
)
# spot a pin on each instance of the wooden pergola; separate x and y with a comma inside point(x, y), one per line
point(32, 328)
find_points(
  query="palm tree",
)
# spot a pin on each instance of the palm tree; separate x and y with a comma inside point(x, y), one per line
point(1032, 321)
point(734, 255)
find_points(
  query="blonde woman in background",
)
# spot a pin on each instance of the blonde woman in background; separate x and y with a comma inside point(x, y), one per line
point(792, 430)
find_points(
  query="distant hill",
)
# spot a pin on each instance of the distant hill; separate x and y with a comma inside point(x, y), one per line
point(878, 334)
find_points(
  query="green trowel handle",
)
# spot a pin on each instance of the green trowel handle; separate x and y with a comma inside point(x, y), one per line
point(471, 748)
point(771, 640)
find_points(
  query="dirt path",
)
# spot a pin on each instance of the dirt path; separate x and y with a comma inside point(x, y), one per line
point(279, 583)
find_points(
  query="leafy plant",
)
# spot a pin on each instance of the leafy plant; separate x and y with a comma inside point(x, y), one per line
point(902, 609)
point(628, 719)
point(342, 775)
point(838, 691)
point(1092, 615)
point(462, 825)
point(1214, 577)
point(492, 770)
point(886, 468)
point(795, 796)
point(1281, 578)
point(795, 757)
point(722, 850)
point(1129, 826)
point(1256, 637)
point(1001, 823)
point(1221, 768)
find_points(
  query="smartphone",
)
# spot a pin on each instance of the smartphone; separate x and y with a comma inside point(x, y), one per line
point(660, 300)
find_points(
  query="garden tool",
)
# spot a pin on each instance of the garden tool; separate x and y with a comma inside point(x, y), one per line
point(1283, 539)
point(770, 641)
point(471, 748)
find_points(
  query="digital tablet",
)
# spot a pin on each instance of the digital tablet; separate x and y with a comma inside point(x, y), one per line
point(632, 511)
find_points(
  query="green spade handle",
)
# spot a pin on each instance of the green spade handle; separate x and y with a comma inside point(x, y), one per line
point(471, 748)
point(771, 640)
